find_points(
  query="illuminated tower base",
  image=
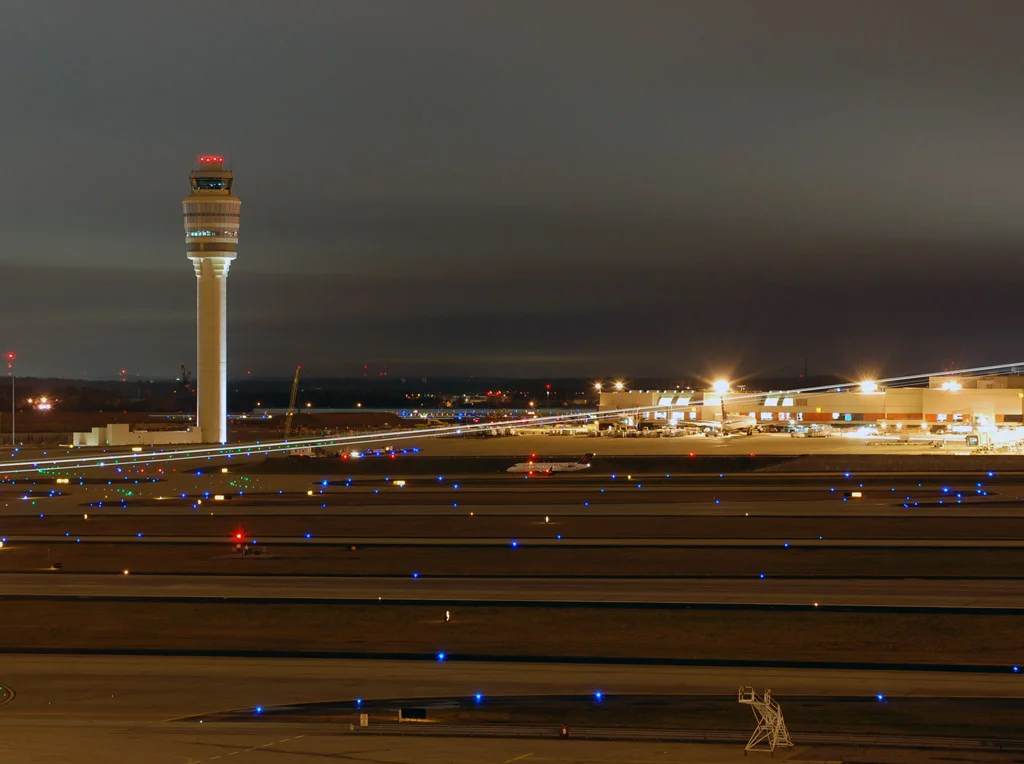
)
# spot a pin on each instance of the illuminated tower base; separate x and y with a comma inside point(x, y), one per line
point(212, 216)
point(212, 346)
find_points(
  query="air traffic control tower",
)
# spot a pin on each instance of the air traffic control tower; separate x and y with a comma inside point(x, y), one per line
point(212, 214)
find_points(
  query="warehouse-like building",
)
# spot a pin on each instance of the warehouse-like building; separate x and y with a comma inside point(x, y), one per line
point(953, 403)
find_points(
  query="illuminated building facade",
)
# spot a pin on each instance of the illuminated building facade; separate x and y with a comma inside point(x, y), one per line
point(212, 214)
point(947, 404)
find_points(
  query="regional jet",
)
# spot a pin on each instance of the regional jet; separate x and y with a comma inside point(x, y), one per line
point(548, 468)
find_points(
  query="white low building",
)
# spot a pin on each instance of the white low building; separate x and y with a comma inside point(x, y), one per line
point(123, 435)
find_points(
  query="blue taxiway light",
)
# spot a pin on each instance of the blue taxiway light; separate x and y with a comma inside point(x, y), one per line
point(478, 697)
point(880, 698)
point(598, 696)
point(441, 657)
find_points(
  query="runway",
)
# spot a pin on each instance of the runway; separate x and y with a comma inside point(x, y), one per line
point(122, 709)
point(753, 592)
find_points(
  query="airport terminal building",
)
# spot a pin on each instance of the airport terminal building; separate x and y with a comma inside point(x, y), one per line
point(948, 403)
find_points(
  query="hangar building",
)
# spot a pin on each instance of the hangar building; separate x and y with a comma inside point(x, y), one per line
point(953, 403)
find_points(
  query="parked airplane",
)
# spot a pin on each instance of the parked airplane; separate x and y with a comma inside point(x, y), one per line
point(734, 425)
point(729, 425)
point(548, 468)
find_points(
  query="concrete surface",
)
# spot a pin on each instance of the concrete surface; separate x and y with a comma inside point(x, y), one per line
point(898, 593)
point(117, 710)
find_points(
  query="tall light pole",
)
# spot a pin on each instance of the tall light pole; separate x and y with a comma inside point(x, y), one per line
point(10, 373)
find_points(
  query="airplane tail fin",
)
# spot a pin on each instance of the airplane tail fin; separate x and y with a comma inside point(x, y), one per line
point(586, 459)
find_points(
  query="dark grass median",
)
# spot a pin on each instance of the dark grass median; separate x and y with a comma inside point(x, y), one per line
point(625, 634)
point(946, 717)
point(546, 523)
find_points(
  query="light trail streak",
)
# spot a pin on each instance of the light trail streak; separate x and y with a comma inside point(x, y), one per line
point(260, 448)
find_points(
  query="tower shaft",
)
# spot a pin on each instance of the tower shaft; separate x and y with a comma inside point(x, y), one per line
point(212, 346)
point(212, 216)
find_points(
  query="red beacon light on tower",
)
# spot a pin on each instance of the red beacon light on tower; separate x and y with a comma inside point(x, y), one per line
point(205, 160)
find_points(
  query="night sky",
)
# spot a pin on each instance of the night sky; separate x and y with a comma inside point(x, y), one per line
point(527, 188)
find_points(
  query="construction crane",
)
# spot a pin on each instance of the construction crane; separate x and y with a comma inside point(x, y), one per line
point(186, 379)
point(289, 416)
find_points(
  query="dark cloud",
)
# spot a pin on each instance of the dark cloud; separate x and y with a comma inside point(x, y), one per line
point(586, 187)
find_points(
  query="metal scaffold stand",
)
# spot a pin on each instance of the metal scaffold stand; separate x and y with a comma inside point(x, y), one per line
point(771, 732)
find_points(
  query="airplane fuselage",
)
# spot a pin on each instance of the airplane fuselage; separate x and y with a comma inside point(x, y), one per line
point(547, 467)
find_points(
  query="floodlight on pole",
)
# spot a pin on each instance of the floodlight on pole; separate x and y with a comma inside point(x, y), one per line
point(869, 386)
point(620, 385)
point(720, 386)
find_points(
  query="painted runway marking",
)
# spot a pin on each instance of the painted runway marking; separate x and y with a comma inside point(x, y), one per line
point(517, 758)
